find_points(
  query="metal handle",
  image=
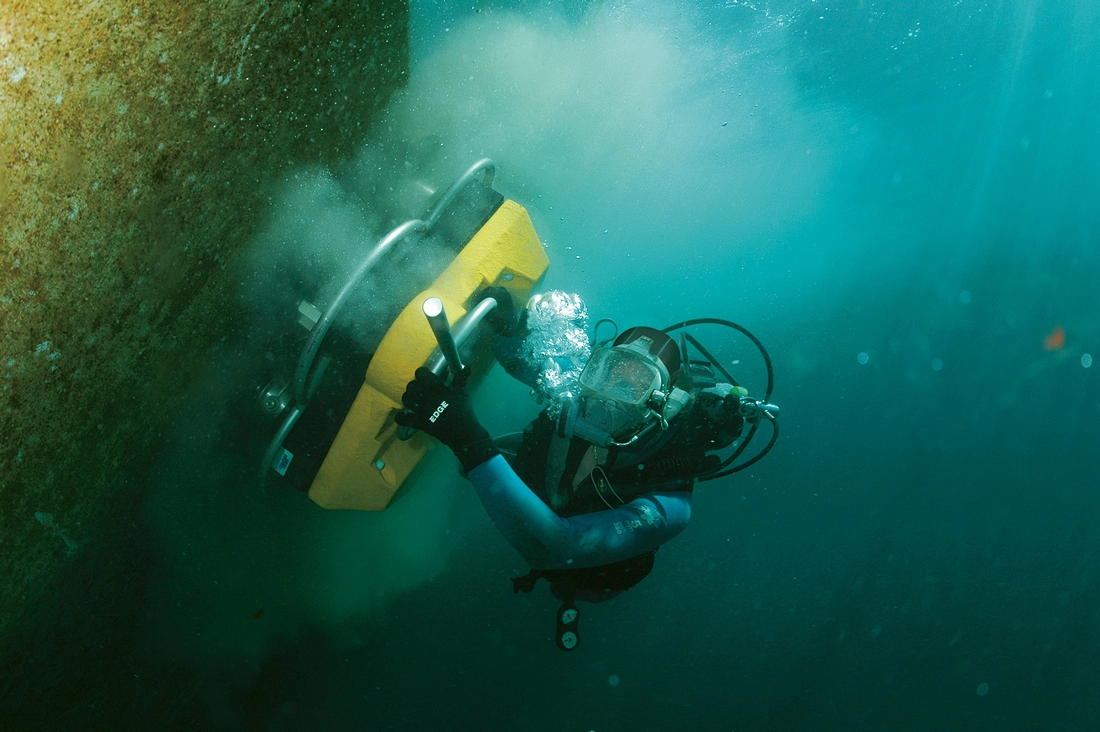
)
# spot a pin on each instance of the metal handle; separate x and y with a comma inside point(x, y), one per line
point(461, 332)
point(441, 328)
point(449, 340)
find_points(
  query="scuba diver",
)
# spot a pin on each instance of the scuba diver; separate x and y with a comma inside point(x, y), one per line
point(604, 475)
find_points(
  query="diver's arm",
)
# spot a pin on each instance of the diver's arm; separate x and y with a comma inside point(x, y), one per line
point(508, 350)
point(513, 351)
point(545, 540)
point(548, 541)
point(505, 337)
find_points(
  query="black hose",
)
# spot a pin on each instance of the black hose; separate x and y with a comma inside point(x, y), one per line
point(714, 362)
point(754, 458)
point(596, 331)
point(741, 448)
point(723, 467)
point(738, 328)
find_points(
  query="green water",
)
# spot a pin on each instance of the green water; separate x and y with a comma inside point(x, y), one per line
point(899, 199)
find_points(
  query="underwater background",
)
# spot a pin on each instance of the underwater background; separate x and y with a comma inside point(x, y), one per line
point(900, 199)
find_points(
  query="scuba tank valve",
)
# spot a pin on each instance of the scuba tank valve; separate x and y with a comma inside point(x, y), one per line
point(752, 409)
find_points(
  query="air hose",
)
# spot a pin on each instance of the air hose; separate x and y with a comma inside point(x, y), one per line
point(723, 468)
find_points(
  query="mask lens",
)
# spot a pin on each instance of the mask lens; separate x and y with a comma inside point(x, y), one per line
point(620, 375)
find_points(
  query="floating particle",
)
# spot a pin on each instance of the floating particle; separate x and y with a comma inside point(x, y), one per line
point(863, 358)
point(937, 364)
point(613, 680)
point(965, 297)
point(1055, 340)
point(983, 689)
point(1086, 360)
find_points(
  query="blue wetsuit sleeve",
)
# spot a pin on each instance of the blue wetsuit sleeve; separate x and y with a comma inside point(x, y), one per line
point(548, 541)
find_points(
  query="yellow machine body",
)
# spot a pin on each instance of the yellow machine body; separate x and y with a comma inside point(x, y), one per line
point(366, 463)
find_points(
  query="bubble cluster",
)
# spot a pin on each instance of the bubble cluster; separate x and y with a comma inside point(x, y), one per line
point(557, 344)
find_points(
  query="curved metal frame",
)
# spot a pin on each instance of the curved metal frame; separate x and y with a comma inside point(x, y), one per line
point(303, 383)
point(397, 234)
point(277, 442)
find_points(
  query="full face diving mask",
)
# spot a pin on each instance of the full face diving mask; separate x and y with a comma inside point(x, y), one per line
point(625, 392)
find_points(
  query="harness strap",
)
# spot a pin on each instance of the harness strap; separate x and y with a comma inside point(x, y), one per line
point(604, 489)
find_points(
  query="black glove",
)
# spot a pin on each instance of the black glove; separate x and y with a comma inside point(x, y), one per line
point(502, 318)
point(445, 414)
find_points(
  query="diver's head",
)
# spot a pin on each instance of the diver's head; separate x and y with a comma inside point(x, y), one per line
point(641, 365)
point(656, 345)
point(624, 388)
